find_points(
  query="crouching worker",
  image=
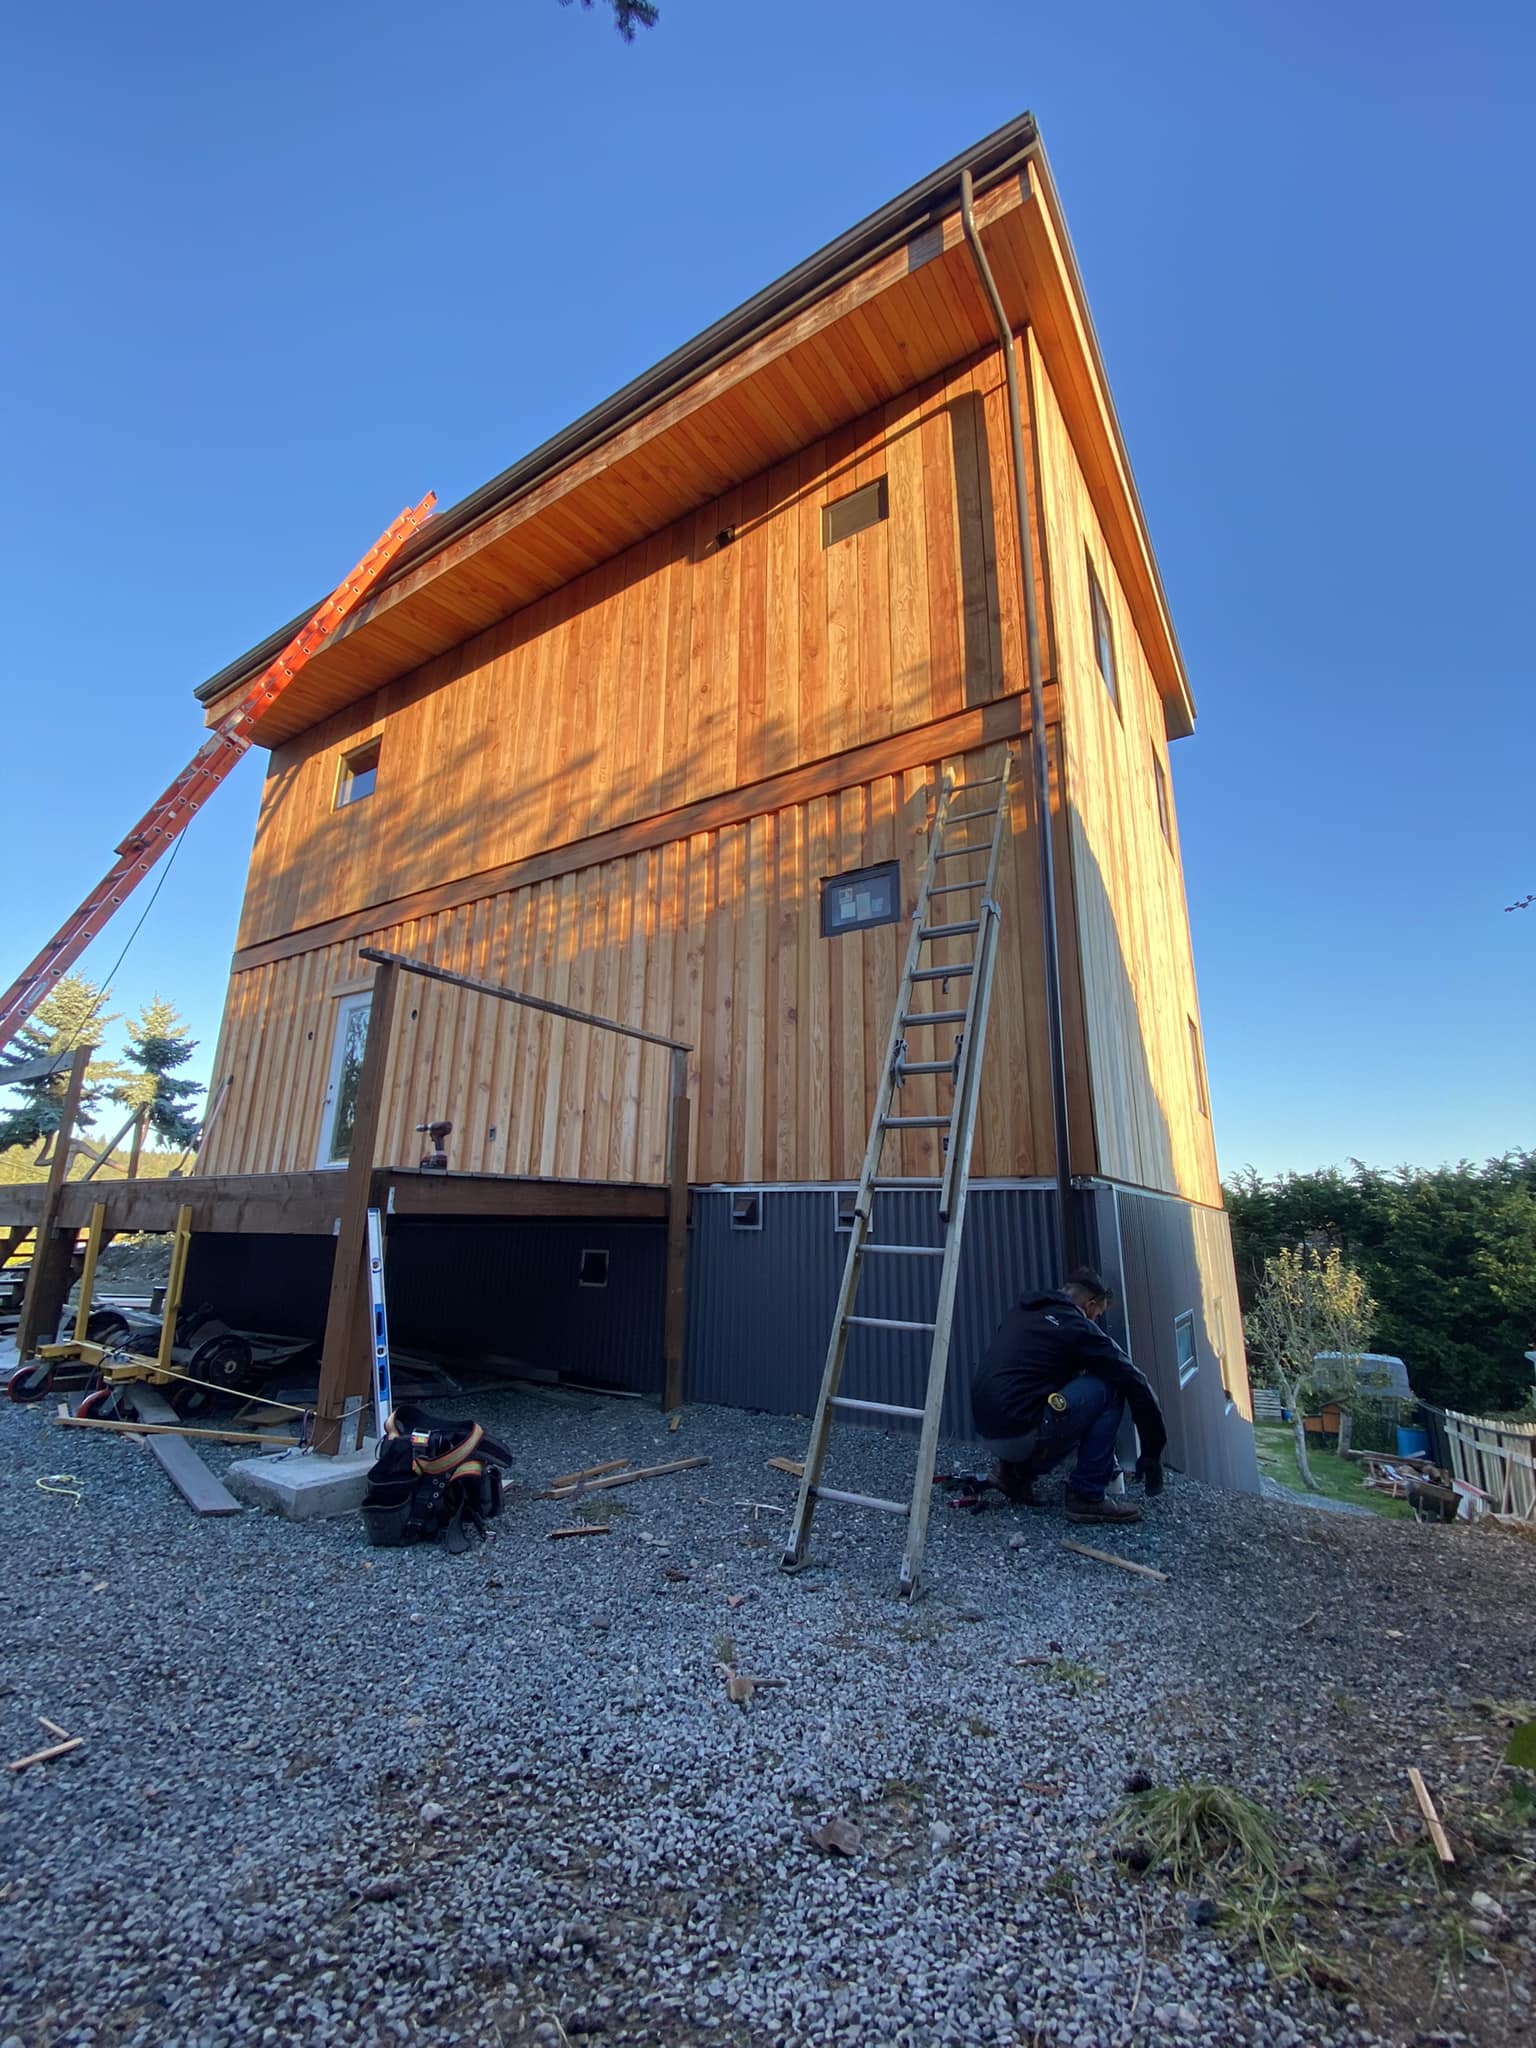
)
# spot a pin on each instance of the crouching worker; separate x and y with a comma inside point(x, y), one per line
point(1053, 1383)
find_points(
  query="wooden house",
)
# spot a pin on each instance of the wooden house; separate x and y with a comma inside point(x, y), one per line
point(631, 729)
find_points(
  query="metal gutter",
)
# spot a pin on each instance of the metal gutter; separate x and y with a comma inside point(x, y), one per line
point(1039, 741)
point(1002, 152)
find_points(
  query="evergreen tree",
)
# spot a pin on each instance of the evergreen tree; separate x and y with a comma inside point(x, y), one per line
point(628, 15)
point(157, 1045)
point(73, 1013)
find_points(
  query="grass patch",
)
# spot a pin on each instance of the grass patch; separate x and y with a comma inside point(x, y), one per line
point(1081, 1679)
point(1337, 1478)
point(1197, 1829)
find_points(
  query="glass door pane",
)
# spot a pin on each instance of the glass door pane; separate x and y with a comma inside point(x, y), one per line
point(340, 1112)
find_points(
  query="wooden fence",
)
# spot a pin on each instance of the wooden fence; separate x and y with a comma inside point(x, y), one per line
point(1499, 1458)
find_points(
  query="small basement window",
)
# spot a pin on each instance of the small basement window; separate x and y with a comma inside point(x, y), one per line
point(594, 1270)
point(1160, 782)
point(862, 897)
point(358, 773)
point(846, 1202)
point(845, 517)
point(1197, 1061)
point(1184, 1343)
point(747, 1209)
point(1103, 635)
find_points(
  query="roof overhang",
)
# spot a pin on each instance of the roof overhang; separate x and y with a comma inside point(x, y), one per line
point(889, 304)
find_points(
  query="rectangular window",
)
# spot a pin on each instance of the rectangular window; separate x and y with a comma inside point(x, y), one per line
point(845, 1206)
point(1184, 1344)
point(847, 516)
point(747, 1209)
point(339, 1112)
point(1160, 781)
point(1197, 1061)
point(593, 1270)
point(1103, 636)
point(854, 901)
point(357, 774)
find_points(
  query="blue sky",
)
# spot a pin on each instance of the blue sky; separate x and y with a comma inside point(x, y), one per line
point(273, 274)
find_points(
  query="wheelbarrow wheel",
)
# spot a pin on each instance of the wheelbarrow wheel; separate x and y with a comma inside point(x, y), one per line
point(30, 1382)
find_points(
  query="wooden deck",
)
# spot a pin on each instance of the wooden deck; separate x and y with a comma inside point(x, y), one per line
point(309, 1204)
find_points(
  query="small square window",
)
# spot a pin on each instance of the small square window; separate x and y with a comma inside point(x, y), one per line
point(1197, 1061)
point(847, 516)
point(1160, 782)
point(747, 1209)
point(845, 1207)
point(357, 774)
point(1184, 1344)
point(593, 1271)
point(1103, 637)
point(863, 897)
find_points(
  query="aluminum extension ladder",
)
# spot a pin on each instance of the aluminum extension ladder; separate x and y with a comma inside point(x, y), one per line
point(958, 1124)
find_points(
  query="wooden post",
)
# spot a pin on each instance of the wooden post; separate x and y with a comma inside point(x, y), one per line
point(140, 1126)
point(48, 1281)
point(677, 1232)
point(344, 1361)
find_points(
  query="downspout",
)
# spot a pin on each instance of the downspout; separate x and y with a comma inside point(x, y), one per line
point(1038, 747)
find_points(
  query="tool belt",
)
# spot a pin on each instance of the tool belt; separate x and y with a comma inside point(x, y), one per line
point(433, 1481)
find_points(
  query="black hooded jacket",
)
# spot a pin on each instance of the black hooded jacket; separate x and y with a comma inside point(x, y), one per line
point(1040, 1345)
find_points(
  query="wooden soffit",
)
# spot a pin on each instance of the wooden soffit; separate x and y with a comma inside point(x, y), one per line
point(911, 314)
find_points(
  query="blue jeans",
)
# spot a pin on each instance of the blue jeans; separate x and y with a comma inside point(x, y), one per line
point(1090, 1421)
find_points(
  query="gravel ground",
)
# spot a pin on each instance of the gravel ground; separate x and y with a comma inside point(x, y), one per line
point(335, 1795)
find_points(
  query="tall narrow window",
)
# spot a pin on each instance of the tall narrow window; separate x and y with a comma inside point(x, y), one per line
point(1197, 1060)
point(340, 1109)
point(1160, 783)
point(1103, 635)
point(1184, 1344)
point(358, 772)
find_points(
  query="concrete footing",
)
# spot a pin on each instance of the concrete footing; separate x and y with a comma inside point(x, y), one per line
point(303, 1489)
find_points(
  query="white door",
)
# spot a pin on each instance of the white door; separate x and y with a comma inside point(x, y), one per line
point(340, 1111)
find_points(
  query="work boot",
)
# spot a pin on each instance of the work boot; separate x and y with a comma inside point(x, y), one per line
point(1017, 1482)
point(1081, 1509)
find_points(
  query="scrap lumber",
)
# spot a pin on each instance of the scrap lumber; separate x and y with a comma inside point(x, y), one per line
point(581, 1529)
point(1432, 1821)
point(1108, 1557)
point(220, 1436)
point(53, 1728)
point(589, 1472)
point(625, 1478)
point(789, 1465)
point(46, 1756)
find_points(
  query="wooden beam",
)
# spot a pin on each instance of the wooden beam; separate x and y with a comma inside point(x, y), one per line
point(48, 1281)
point(345, 1358)
point(405, 1192)
point(514, 995)
point(677, 1234)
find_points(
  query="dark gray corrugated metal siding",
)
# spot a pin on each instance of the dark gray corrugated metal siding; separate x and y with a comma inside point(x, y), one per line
point(760, 1303)
point(281, 1284)
point(1168, 1257)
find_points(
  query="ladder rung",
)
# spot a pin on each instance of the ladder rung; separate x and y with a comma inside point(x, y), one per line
point(907, 1180)
point(979, 782)
point(943, 973)
point(934, 1017)
point(859, 1500)
point(885, 1323)
point(914, 1123)
point(949, 931)
point(908, 1251)
point(926, 1067)
point(965, 817)
point(960, 852)
point(877, 1408)
point(954, 888)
